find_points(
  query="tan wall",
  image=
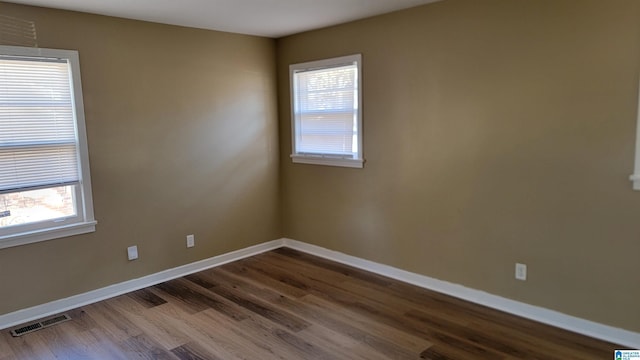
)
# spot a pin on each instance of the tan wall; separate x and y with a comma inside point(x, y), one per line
point(496, 131)
point(182, 133)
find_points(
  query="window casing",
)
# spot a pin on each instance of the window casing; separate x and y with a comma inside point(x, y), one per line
point(326, 103)
point(635, 177)
point(45, 185)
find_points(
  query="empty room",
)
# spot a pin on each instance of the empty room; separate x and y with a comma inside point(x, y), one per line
point(329, 179)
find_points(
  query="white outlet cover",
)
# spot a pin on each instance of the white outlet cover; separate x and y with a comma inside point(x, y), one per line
point(521, 271)
point(191, 241)
point(132, 252)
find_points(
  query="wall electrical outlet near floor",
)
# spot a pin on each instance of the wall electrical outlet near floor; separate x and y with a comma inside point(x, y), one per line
point(132, 252)
point(521, 271)
point(191, 241)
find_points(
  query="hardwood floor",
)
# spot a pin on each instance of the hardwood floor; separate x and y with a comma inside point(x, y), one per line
point(289, 305)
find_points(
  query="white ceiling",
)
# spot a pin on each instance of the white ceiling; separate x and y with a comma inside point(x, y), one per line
point(271, 18)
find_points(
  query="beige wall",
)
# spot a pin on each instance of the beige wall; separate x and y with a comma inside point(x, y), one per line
point(182, 133)
point(495, 132)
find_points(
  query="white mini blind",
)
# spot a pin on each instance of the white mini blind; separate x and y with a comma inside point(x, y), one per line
point(326, 110)
point(38, 142)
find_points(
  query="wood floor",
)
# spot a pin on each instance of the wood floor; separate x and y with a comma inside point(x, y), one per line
point(289, 305)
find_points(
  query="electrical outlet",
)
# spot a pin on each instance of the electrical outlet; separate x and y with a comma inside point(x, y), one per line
point(521, 271)
point(191, 241)
point(132, 252)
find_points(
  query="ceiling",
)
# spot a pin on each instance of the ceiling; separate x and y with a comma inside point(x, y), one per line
point(270, 18)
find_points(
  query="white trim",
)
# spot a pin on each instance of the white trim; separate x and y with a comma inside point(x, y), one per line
point(81, 135)
point(326, 63)
point(585, 327)
point(51, 233)
point(90, 297)
point(635, 177)
point(326, 160)
point(550, 317)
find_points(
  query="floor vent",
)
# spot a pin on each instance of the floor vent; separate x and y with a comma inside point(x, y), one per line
point(40, 325)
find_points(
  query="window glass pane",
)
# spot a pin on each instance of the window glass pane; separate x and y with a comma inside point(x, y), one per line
point(37, 205)
point(35, 101)
point(38, 143)
point(326, 110)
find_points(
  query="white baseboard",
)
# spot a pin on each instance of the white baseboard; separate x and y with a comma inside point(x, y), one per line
point(550, 317)
point(72, 302)
point(546, 316)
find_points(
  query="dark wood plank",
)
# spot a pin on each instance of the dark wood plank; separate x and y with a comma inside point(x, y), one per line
point(147, 298)
point(192, 351)
point(239, 269)
point(197, 299)
point(253, 304)
point(142, 347)
point(321, 263)
point(503, 344)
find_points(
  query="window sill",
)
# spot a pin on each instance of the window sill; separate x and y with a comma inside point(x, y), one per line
point(46, 234)
point(327, 161)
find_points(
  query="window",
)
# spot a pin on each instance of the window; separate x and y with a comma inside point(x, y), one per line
point(326, 101)
point(45, 188)
point(635, 177)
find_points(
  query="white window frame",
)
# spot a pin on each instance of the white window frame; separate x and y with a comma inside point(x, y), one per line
point(635, 177)
point(356, 161)
point(84, 221)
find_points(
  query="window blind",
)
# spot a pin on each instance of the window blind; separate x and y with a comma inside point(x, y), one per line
point(38, 146)
point(325, 108)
